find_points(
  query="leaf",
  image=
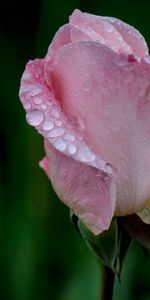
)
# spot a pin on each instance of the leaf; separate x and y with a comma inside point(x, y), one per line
point(124, 241)
point(105, 245)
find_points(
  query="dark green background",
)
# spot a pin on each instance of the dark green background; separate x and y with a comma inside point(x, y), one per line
point(41, 255)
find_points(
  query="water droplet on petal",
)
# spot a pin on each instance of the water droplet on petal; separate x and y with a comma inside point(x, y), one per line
point(108, 27)
point(69, 137)
point(121, 60)
point(34, 117)
point(111, 169)
point(78, 126)
point(49, 103)
point(147, 59)
point(119, 38)
point(27, 105)
point(37, 100)
point(23, 89)
point(43, 106)
point(58, 123)
point(26, 76)
point(54, 113)
point(56, 132)
point(34, 90)
point(85, 155)
point(72, 149)
point(47, 125)
point(60, 145)
point(138, 58)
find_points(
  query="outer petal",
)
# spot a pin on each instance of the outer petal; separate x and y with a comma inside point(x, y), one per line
point(71, 183)
point(61, 38)
point(90, 27)
point(44, 165)
point(44, 113)
point(112, 32)
point(131, 35)
point(109, 96)
point(86, 190)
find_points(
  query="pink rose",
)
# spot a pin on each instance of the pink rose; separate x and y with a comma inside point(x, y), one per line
point(90, 99)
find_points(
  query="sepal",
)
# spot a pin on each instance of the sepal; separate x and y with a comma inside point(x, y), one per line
point(105, 245)
point(137, 229)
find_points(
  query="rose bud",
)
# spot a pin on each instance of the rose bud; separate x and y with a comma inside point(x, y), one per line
point(89, 97)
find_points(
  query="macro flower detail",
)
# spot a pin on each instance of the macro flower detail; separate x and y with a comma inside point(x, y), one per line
point(89, 97)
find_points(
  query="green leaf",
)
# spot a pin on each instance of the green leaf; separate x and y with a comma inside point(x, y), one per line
point(105, 245)
point(124, 241)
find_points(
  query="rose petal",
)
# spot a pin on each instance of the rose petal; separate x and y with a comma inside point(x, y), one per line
point(91, 27)
point(61, 38)
point(109, 95)
point(87, 191)
point(44, 165)
point(131, 35)
point(44, 113)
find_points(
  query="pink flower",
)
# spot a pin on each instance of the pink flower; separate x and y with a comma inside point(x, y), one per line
point(90, 99)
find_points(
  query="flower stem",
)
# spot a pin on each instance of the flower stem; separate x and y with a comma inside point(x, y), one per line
point(107, 285)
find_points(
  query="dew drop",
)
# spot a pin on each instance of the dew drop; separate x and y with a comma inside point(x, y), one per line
point(23, 89)
point(111, 169)
point(60, 145)
point(47, 125)
point(34, 90)
point(147, 59)
point(108, 27)
point(34, 117)
point(27, 105)
point(37, 100)
point(69, 137)
point(58, 123)
point(119, 38)
point(121, 61)
point(86, 155)
point(72, 149)
point(78, 126)
point(56, 132)
point(138, 58)
point(43, 106)
point(49, 103)
point(54, 113)
point(26, 76)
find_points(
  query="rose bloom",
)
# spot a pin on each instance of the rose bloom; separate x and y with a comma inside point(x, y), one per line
point(89, 97)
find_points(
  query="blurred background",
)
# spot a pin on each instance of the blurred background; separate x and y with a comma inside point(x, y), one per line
point(41, 254)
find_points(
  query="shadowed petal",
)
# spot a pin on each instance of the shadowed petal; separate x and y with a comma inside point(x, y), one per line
point(89, 192)
point(145, 215)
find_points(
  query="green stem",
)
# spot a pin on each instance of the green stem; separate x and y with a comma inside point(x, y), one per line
point(107, 285)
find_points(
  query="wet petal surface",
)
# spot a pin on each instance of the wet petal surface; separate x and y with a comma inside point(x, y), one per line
point(89, 192)
point(109, 96)
point(77, 173)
